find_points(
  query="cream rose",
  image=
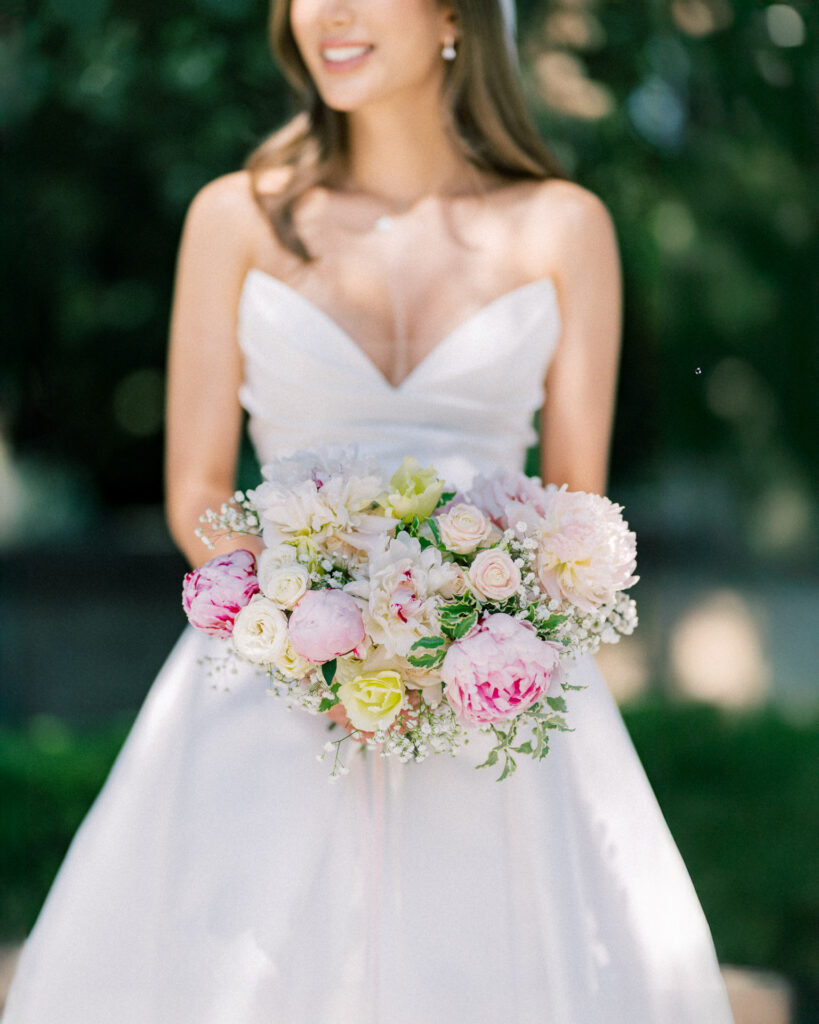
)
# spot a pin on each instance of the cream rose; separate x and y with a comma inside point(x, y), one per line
point(260, 631)
point(285, 586)
point(373, 700)
point(290, 664)
point(494, 575)
point(464, 528)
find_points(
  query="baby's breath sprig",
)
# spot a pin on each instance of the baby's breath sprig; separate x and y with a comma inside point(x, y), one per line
point(237, 515)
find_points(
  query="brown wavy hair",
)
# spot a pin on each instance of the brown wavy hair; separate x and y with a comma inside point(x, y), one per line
point(487, 118)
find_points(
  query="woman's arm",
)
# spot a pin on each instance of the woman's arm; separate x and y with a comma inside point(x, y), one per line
point(577, 416)
point(203, 415)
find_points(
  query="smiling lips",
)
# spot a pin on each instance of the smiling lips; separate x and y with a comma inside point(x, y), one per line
point(346, 56)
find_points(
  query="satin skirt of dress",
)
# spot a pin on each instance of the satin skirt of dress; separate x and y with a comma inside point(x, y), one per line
point(221, 879)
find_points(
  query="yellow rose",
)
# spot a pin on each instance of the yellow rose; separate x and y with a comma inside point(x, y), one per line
point(372, 700)
point(415, 491)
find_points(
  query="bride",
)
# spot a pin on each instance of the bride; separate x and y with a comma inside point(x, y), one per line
point(402, 267)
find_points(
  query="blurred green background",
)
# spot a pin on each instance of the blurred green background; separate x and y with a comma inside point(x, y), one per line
point(696, 121)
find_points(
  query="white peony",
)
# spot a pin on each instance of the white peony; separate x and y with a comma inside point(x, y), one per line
point(401, 597)
point(260, 631)
point(328, 497)
point(586, 552)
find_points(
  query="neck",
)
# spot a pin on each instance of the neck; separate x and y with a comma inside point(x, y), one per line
point(400, 152)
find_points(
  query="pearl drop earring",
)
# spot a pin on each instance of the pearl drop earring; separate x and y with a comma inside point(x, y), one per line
point(448, 50)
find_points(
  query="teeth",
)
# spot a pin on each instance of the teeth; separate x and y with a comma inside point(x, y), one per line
point(337, 54)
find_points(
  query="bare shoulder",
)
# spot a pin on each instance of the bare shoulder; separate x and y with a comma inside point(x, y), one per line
point(567, 206)
point(226, 211)
point(226, 203)
point(567, 227)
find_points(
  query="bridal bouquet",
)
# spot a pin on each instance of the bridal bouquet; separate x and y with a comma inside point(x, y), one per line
point(413, 613)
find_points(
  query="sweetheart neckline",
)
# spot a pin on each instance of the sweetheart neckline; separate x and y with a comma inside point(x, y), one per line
point(362, 355)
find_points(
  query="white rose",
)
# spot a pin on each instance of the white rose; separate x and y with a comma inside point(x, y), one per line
point(260, 631)
point(275, 557)
point(456, 584)
point(464, 528)
point(285, 586)
point(494, 575)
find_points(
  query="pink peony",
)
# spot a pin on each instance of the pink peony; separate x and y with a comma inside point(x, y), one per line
point(213, 594)
point(501, 495)
point(325, 624)
point(498, 671)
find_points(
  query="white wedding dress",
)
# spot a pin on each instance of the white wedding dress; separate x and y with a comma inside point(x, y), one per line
point(219, 877)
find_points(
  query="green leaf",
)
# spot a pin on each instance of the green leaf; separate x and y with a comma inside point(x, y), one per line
point(430, 652)
point(328, 670)
point(508, 769)
point(327, 703)
point(433, 529)
point(432, 659)
point(557, 703)
point(445, 498)
point(428, 643)
point(547, 625)
point(461, 628)
point(492, 759)
point(524, 748)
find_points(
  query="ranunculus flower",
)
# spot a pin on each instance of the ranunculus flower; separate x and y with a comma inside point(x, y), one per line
point(372, 700)
point(498, 671)
point(586, 552)
point(493, 575)
point(325, 624)
point(213, 594)
point(415, 491)
point(285, 586)
point(464, 528)
point(260, 632)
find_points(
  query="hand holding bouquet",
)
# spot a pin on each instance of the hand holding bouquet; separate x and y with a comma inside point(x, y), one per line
point(413, 612)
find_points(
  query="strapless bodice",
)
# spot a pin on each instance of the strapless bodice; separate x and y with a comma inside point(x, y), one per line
point(467, 407)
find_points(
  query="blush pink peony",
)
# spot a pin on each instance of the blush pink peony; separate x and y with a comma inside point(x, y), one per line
point(214, 594)
point(498, 671)
point(325, 624)
point(586, 552)
point(503, 495)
